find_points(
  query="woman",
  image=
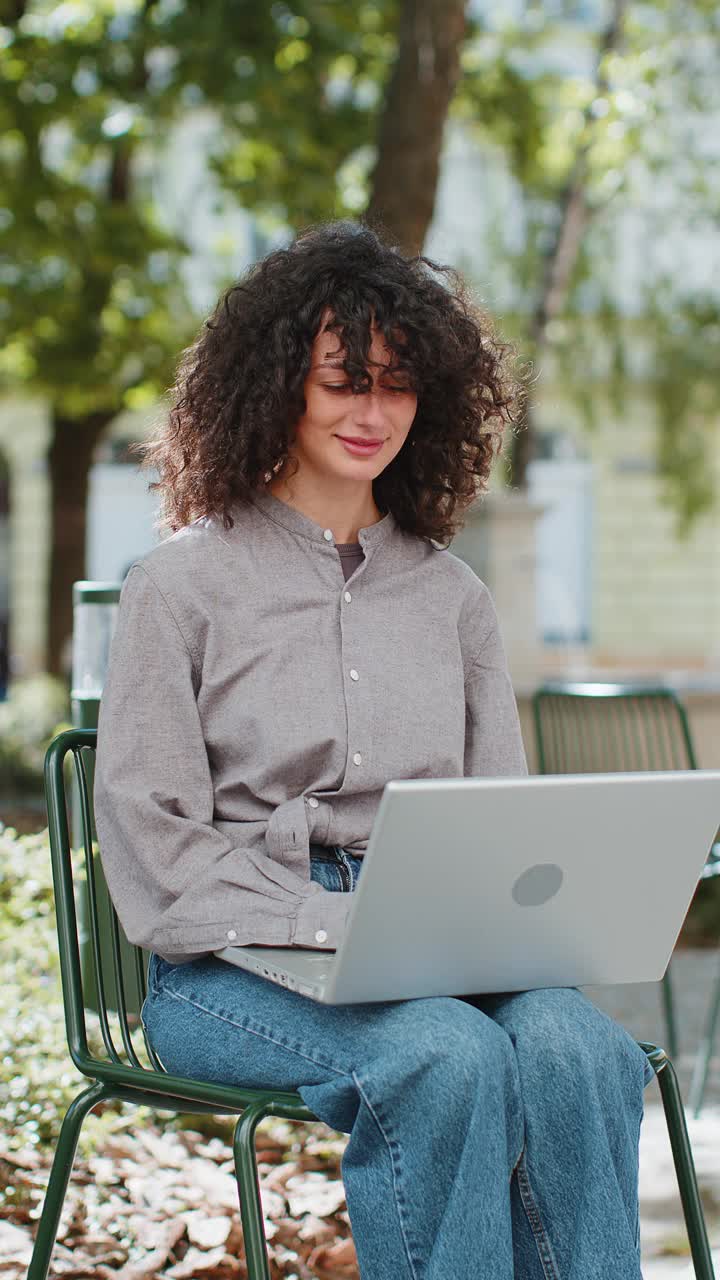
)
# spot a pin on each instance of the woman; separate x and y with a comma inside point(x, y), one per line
point(302, 637)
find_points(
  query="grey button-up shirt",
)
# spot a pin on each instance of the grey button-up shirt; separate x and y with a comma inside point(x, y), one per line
point(257, 702)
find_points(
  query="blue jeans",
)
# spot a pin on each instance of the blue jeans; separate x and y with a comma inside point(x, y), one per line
point(490, 1136)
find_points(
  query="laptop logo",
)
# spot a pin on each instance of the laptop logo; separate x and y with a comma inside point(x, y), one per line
point(537, 885)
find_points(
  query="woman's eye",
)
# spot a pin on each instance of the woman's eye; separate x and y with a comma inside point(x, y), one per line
point(346, 386)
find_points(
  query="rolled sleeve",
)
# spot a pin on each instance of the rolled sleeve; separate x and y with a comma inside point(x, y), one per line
point(321, 919)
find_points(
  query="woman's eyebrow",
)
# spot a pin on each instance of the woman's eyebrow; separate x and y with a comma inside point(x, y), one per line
point(338, 364)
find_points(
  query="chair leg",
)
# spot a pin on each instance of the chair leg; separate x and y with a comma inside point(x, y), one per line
point(704, 1054)
point(684, 1166)
point(251, 1212)
point(669, 1012)
point(59, 1177)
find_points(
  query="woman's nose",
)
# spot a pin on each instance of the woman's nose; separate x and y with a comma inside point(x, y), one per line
point(369, 409)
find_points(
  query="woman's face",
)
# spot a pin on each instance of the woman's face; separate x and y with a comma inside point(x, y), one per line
point(384, 413)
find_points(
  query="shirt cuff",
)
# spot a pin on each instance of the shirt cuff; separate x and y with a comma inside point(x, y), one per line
point(320, 920)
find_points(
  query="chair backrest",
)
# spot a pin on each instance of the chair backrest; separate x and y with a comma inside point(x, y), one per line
point(610, 728)
point(100, 969)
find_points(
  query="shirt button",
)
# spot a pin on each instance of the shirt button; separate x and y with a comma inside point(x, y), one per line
point(353, 674)
point(357, 758)
point(321, 936)
point(348, 597)
point(327, 535)
point(313, 802)
point(232, 934)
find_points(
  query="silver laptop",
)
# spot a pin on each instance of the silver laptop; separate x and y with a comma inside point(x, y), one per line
point(475, 885)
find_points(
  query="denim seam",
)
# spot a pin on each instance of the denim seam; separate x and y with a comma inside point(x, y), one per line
point(637, 1198)
point(542, 1241)
point(520, 1155)
point(395, 1173)
point(263, 1035)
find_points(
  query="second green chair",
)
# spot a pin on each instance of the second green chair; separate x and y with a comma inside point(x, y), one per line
point(594, 727)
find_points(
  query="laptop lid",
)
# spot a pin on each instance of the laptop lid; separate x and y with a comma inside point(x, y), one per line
point(481, 885)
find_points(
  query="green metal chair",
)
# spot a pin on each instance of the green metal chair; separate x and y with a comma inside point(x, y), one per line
point(114, 1066)
point(592, 727)
point(116, 1070)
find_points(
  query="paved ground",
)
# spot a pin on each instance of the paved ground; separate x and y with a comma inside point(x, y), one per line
point(664, 1243)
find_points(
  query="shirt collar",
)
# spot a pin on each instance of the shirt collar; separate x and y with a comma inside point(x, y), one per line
point(369, 537)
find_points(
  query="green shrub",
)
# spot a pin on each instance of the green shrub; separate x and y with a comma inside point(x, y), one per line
point(37, 1078)
point(35, 710)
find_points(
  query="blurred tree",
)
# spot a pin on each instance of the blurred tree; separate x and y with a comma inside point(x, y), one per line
point(93, 304)
point(558, 258)
point(404, 180)
point(322, 109)
point(602, 117)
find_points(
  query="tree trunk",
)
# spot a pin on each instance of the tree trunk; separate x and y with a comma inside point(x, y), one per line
point(573, 217)
point(410, 136)
point(74, 441)
point(69, 459)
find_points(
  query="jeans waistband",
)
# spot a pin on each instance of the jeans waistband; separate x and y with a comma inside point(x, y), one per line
point(329, 853)
point(324, 852)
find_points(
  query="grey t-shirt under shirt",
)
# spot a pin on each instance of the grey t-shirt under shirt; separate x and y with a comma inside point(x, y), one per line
point(351, 555)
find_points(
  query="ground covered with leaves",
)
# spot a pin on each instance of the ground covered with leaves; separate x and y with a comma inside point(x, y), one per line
point(148, 1202)
point(149, 1196)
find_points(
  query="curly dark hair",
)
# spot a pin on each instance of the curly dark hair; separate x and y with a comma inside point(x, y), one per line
point(239, 387)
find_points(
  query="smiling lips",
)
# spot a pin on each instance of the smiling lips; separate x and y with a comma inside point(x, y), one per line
point(360, 446)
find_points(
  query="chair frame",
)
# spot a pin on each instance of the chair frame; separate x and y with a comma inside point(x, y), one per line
point(130, 1081)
